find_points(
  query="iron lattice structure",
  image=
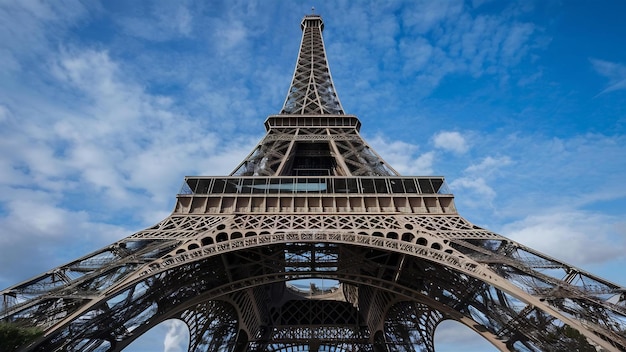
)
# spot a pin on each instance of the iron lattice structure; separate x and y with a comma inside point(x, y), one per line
point(314, 202)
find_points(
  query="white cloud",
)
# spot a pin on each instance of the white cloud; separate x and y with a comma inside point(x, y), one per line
point(5, 114)
point(479, 3)
point(533, 172)
point(160, 23)
point(8, 62)
point(483, 193)
point(431, 14)
point(121, 138)
point(36, 225)
point(516, 44)
point(422, 165)
point(450, 334)
point(27, 26)
point(450, 141)
point(177, 337)
point(91, 137)
point(438, 40)
point(404, 157)
point(476, 183)
point(451, 39)
point(230, 35)
point(488, 165)
point(549, 193)
point(182, 20)
point(615, 72)
point(171, 335)
point(418, 53)
point(574, 236)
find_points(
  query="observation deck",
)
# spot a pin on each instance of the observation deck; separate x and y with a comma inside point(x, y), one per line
point(298, 194)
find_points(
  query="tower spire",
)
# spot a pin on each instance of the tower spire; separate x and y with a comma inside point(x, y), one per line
point(312, 90)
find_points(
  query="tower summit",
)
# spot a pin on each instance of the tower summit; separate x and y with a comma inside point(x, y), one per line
point(312, 91)
point(313, 202)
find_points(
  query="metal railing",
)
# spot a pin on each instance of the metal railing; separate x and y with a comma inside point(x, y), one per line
point(324, 185)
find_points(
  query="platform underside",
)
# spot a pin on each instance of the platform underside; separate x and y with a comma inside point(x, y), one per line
point(391, 279)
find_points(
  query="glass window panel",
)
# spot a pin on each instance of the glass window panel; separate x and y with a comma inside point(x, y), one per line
point(192, 184)
point(409, 185)
point(287, 185)
point(396, 185)
point(352, 185)
point(274, 185)
point(437, 182)
point(425, 185)
point(246, 186)
point(368, 185)
point(260, 185)
point(315, 185)
point(231, 185)
point(381, 185)
point(218, 185)
point(340, 185)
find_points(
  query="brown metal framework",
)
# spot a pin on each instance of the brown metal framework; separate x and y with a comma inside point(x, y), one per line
point(314, 202)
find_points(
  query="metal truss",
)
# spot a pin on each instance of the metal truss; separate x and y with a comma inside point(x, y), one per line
point(312, 90)
point(349, 154)
point(314, 202)
point(401, 275)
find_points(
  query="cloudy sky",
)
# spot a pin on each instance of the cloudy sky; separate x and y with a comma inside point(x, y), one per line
point(106, 106)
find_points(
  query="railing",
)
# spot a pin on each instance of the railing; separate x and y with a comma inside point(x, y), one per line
point(323, 185)
point(321, 121)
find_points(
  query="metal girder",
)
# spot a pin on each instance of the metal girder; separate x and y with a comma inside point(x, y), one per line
point(275, 153)
point(386, 270)
point(312, 90)
point(314, 202)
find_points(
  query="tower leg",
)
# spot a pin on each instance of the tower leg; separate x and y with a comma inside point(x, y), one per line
point(410, 326)
point(212, 326)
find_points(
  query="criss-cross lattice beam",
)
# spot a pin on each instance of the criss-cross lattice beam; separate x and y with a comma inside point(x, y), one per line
point(400, 239)
point(312, 90)
point(351, 155)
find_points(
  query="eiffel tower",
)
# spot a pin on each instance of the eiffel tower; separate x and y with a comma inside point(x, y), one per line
point(386, 257)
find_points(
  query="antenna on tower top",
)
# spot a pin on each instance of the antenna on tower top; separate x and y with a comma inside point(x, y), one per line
point(312, 9)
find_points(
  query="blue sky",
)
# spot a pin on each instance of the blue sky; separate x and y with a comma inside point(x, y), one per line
point(106, 106)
